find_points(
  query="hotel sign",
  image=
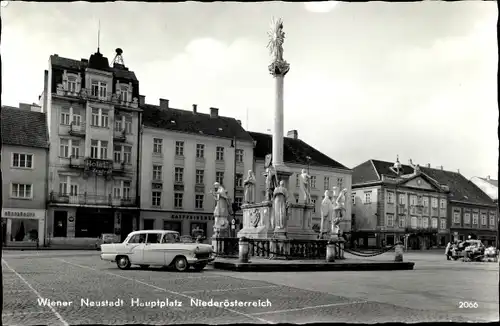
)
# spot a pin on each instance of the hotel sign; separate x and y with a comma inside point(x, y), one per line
point(23, 213)
point(98, 166)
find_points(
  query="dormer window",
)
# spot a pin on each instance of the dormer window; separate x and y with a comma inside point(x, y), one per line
point(124, 93)
point(99, 89)
point(72, 83)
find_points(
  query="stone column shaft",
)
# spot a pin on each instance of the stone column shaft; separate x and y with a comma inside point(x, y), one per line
point(278, 122)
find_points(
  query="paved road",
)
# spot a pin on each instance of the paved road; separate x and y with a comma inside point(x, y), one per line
point(432, 292)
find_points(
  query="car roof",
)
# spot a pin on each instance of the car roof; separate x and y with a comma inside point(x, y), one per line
point(152, 231)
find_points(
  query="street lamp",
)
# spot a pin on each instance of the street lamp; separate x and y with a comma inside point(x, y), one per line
point(397, 168)
point(308, 158)
point(235, 206)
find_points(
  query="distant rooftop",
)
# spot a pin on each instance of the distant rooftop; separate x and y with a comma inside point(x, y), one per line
point(24, 127)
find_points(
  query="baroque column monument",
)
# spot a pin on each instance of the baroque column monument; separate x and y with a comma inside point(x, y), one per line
point(290, 220)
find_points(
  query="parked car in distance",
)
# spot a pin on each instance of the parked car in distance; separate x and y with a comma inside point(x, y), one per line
point(107, 238)
point(157, 248)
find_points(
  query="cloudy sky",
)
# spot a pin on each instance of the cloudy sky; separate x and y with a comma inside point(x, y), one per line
point(367, 80)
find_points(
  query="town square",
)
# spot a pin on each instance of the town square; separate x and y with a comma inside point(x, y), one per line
point(304, 195)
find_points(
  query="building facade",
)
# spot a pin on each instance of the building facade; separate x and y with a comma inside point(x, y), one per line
point(490, 187)
point(408, 206)
point(325, 172)
point(93, 118)
point(183, 154)
point(24, 169)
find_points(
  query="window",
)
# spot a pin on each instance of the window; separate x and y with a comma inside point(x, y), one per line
point(157, 145)
point(239, 180)
point(77, 120)
point(390, 220)
point(238, 201)
point(425, 202)
point(353, 197)
point(104, 149)
point(72, 84)
point(21, 191)
point(117, 153)
point(126, 189)
point(419, 222)
point(63, 185)
point(73, 190)
point(456, 217)
point(64, 148)
point(128, 125)
point(117, 192)
point(156, 196)
point(95, 117)
point(239, 155)
point(75, 148)
point(118, 123)
point(484, 220)
point(340, 182)
point(434, 202)
point(200, 150)
point(401, 221)
point(442, 204)
point(402, 200)
point(127, 154)
point(178, 199)
point(200, 176)
point(103, 90)
point(153, 238)
point(326, 183)
point(157, 171)
point(475, 218)
point(198, 201)
point(434, 223)
point(219, 153)
point(413, 222)
point(65, 118)
point(368, 197)
point(425, 222)
point(219, 177)
point(313, 182)
point(94, 88)
point(390, 197)
point(313, 201)
point(466, 218)
point(22, 160)
point(138, 238)
point(492, 221)
point(179, 174)
point(179, 148)
point(124, 93)
point(104, 118)
point(443, 223)
point(413, 200)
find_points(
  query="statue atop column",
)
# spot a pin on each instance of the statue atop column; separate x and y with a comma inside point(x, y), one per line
point(280, 206)
point(249, 186)
point(304, 180)
point(222, 209)
point(276, 35)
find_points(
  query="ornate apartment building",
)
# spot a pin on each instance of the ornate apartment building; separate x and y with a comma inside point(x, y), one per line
point(184, 152)
point(93, 119)
point(24, 171)
point(325, 172)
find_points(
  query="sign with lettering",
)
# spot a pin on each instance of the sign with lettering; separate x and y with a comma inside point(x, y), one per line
point(98, 166)
point(23, 213)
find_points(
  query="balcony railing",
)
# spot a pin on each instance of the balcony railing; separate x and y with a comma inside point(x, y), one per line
point(77, 130)
point(122, 167)
point(77, 162)
point(91, 199)
point(120, 136)
point(86, 94)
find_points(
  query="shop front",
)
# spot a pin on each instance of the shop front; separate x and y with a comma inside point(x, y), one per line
point(23, 227)
point(187, 224)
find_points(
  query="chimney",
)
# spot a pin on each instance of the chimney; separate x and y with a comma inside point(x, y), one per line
point(163, 103)
point(45, 90)
point(195, 108)
point(293, 134)
point(410, 162)
point(214, 112)
point(239, 122)
point(458, 170)
point(441, 167)
point(488, 178)
point(428, 165)
point(142, 99)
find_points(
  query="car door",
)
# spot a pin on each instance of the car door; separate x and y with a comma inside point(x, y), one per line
point(135, 247)
point(172, 244)
point(154, 253)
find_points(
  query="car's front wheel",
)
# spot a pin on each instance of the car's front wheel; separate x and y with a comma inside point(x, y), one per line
point(199, 266)
point(181, 264)
point(123, 262)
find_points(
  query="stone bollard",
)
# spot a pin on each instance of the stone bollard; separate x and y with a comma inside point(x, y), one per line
point(243, 250)
point(331, 250)
point(398, 249)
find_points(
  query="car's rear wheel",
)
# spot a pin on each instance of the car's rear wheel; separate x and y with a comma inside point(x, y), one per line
point(180, 264)
point(144, 266)
point(199, 266)
point(123, 262)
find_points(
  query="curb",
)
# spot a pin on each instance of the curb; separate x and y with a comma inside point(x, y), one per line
point(312, 267)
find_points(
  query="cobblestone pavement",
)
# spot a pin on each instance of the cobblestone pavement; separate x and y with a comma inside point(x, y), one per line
point(405, 296)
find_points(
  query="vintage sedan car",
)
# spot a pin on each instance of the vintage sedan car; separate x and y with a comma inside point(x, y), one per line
point(157, 248)
point(107, 238)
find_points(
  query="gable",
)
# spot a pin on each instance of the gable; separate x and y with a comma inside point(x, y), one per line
point(419, 183)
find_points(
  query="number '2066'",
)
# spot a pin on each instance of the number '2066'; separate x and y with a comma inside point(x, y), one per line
point(468, 304)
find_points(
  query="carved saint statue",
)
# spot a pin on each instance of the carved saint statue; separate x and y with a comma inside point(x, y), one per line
point(326, 213)
point(276, 39)
point(305, 186)
point(271, 182)
point(249, 185)
point(222, 208)
point(280, 204)
point(339, 209)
